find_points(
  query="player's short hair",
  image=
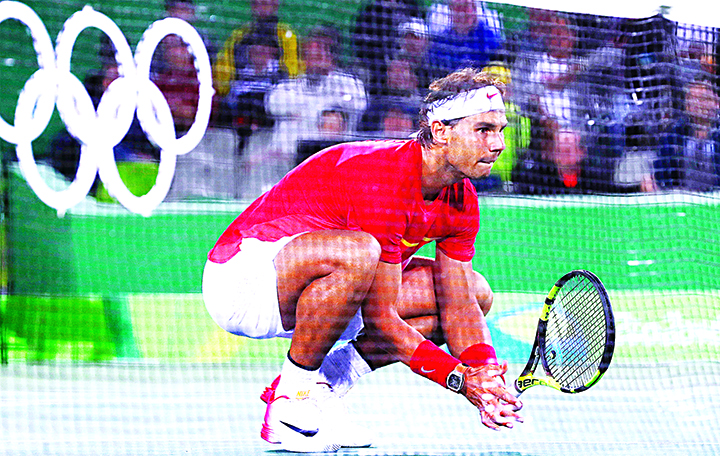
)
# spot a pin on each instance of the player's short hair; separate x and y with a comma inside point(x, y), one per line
point(451, 85)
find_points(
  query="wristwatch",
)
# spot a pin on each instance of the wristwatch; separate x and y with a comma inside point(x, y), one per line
point(456, 379)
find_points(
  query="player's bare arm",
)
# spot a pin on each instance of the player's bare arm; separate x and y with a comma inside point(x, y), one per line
point(457, 287)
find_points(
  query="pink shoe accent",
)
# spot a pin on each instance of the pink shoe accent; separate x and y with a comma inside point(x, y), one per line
point(269, 394)
point(266, 432)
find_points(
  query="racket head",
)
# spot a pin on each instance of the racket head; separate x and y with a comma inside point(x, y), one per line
point(576, 337)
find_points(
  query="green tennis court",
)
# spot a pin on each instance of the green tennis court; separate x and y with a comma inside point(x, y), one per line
point(660, 395)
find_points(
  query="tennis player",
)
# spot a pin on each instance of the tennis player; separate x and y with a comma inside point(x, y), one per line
point(326, 257)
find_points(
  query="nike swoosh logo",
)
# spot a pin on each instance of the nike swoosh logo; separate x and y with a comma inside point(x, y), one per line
point(491, 95)
point(301, 431)
point(425, 371)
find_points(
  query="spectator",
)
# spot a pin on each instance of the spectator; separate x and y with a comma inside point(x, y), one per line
point(333, 124)
point(177, 80)
point(695, 50)
point(185, 10)
point(554, 96)
point(376, 31)
point(399, 122)
point(64, 149)
point(400, 91)
point(173, 69)
point(612, 110)
point(692, 62)
point(554, 73)
point(559, 170)
point(604, 75)
point(401, 80)
point(413, 45)
point(135, 146)
point(529, 44)
point(297, 106)
point(689, 155)
point(534, 36)
point(181, 9)
point(468, 41)
point(245, 103)
point(233, 59)
point(440, 18)
point(557, 161)
point(332, 130)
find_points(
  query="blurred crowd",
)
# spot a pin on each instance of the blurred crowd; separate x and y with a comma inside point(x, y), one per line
point(595, 104)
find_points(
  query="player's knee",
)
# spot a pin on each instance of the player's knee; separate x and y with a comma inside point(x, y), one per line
point(363, 252)
point(483, 293)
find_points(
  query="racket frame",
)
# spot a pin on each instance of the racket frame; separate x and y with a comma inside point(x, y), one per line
point(527, 378)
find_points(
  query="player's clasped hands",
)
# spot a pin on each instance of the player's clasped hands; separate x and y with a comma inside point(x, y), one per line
point(485, 388)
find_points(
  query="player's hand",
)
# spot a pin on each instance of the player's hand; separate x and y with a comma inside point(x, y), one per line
point(485, 388)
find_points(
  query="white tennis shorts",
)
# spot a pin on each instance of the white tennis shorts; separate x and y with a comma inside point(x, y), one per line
point(241, 294)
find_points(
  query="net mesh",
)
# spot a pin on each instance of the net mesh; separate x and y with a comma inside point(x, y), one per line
point(612, 164)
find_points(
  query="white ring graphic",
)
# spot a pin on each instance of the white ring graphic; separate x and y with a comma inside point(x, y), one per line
point(100, 131)
point(46, 60)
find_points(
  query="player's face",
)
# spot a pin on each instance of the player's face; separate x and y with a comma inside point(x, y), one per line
point(476, 142)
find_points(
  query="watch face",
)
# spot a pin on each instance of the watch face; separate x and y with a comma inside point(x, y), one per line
point(454, 381)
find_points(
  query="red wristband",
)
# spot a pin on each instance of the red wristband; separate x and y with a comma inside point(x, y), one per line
point(433, 363)
point(479, 355)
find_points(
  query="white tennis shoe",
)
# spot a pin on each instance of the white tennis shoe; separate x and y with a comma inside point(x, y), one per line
point(318, 423)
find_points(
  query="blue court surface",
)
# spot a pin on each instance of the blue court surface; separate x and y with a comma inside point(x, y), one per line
point(214, 409)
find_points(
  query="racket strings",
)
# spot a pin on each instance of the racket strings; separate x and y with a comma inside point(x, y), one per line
point(576, 333)
point(572, 358)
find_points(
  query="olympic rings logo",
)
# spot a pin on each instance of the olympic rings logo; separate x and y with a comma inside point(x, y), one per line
point(99, 131)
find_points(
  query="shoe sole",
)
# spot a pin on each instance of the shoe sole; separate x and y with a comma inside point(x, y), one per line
point(269, 436)
point(301, 445)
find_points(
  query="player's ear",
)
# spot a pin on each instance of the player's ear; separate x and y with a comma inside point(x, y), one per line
point(440, 132)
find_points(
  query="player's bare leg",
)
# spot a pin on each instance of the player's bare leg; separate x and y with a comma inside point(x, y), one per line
point(323, 278)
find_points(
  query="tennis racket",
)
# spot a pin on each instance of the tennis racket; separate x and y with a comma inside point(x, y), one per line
point(575, 336)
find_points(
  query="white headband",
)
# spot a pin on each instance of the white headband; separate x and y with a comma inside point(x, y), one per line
point(476, 101)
